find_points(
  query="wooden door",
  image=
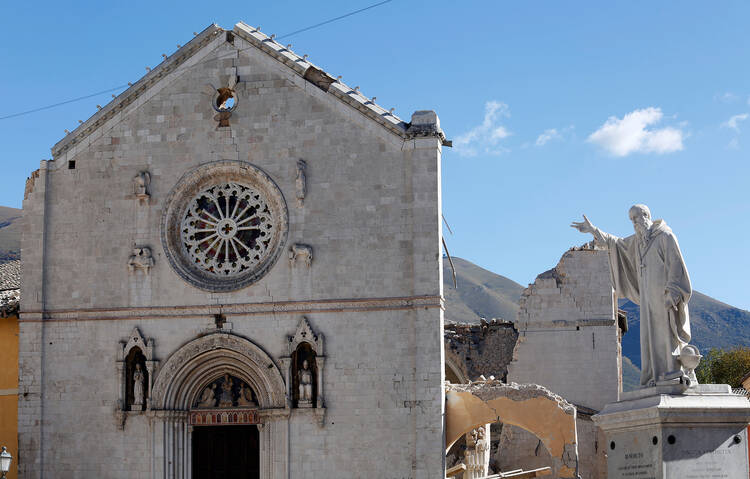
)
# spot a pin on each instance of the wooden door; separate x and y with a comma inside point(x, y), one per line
point(225, 452)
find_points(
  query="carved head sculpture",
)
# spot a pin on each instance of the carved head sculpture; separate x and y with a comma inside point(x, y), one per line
point(640, 215)
point(304, 364)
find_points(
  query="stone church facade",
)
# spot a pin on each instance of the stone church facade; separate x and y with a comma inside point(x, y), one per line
point(234, 266)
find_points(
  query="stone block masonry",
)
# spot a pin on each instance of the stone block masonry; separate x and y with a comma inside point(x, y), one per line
point(371, 281)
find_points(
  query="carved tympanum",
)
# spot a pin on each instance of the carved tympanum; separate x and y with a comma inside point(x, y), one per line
point(226, 391)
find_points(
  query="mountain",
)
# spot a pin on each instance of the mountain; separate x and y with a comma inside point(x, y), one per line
point(480, 293)
point(713, 324)
point(10, 233)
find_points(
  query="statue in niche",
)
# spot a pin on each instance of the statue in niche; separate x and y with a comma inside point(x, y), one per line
point(301, 182)
point(138, 385)
point(246, 397)
point(141, 259)
point(207, 399)
point(648, 269)
point(136, 380)
point(304, 377)
point(226, 399)
point(140, 184)
point(305, 386)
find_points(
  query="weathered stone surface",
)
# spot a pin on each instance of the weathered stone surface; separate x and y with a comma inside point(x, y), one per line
point(370, 214)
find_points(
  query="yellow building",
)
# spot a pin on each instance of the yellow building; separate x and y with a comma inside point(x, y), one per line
point(10, 282)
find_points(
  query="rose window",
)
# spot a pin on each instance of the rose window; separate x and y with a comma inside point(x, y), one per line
point(227, 229)
point(224, 225)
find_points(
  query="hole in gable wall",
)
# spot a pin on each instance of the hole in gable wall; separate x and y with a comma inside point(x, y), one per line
point(72, 164)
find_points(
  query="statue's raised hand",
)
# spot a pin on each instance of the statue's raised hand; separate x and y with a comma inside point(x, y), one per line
point(584, 226)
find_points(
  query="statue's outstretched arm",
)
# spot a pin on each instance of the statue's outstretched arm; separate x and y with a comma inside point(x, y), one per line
point(586, 226)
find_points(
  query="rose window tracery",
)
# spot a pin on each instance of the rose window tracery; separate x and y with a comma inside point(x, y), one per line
point(227, 229)
point(224, 225)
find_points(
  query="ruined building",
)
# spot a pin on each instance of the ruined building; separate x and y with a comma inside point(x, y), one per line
point(565, 337)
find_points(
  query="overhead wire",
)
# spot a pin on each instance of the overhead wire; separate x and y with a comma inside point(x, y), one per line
point(72, 100)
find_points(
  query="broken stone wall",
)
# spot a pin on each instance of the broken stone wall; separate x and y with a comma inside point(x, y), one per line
point(568, 331)
point(473, 350)
point(569, 341)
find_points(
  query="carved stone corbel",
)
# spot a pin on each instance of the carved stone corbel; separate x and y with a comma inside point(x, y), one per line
point(141, 258)
point(304, 251)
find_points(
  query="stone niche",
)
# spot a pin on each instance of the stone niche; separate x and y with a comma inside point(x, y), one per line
point(135, 354)
point(305, 346)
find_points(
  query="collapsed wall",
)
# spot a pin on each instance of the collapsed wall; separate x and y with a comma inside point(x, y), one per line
point(474, 350)
point(569, 341)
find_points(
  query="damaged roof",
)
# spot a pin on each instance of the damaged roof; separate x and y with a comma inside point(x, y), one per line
point(10, 287)
point(300, 65)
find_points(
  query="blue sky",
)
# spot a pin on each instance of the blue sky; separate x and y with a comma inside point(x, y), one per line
point(556, 108)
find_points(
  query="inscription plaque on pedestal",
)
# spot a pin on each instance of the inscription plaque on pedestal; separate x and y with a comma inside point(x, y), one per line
point(633, 455)
point(714, 453)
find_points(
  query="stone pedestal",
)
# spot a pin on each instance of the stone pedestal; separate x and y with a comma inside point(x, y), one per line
point(662, 433)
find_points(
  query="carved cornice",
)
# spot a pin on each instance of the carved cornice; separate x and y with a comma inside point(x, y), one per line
point(237, 309)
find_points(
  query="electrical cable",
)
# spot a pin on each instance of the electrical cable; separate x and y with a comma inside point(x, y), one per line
point(47, 107)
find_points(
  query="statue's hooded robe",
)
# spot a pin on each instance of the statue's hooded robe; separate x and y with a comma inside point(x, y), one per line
point(643, 273)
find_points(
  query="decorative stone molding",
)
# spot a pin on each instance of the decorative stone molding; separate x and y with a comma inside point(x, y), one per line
point(306, 334)
point(245, 309)
point(303, 250)
point(195, 365)
point(146, 348)
point(141, 183)
point(224, 225)
point(142, 259)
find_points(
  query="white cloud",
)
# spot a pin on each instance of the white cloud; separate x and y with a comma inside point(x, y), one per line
point(734, 144)
point(546, 136)
point(734, 122)
point(485, 138)
point(553, 134)
point(630, 134)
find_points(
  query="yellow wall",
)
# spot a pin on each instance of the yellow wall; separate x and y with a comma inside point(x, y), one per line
point(9, 388)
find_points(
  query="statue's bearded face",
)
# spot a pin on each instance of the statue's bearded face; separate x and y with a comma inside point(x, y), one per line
point(641, 221)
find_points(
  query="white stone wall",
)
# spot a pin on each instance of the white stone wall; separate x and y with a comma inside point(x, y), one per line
point(568, 341)
point(371, 215)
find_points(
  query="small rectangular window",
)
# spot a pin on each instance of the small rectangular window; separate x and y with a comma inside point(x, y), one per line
point(72, 164)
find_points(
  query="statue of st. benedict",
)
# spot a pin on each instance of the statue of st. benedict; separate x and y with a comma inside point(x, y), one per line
point(648, 269)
